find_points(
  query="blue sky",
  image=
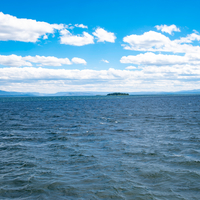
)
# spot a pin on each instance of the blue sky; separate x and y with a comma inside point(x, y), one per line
point(106, 46)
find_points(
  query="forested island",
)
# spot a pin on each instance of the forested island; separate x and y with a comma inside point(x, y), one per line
point(117, 94)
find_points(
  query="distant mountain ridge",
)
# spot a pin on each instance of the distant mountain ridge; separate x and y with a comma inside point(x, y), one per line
point(10, 94)
point(31, 94)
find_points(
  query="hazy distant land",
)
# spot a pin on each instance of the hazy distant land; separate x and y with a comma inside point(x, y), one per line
point(28, 94)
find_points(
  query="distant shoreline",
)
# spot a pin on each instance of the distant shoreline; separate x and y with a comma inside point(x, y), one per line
point(59, 94)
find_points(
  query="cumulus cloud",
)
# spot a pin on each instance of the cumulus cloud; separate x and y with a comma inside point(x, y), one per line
point(18, 61)
point(188, 39)
point(29, 30)
point(13, 61)
point(79, 61)
point(25, 30)
point(104, 36)
point(148, 41)
point(80, 26)
point(76, 40)
point(106, 61)
point(154, 41)
point(164, 59)
point(168, 29)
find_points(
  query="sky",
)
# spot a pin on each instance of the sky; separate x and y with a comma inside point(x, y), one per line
point(99, 46)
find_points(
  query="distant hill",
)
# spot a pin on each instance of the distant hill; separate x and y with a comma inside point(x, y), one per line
point(189, 92)
point(10, 94)
point(23, 94)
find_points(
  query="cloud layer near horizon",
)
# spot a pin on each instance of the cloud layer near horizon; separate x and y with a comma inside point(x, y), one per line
point(165, 78)
point(150, 58)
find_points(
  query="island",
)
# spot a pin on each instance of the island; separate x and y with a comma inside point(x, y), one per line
point(117, 94)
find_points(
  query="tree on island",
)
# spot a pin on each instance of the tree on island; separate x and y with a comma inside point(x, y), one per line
point(117, 94)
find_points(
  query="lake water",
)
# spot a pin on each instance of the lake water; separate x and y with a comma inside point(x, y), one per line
point(129, 147)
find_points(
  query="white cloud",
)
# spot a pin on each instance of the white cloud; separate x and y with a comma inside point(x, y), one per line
point(29, 30)
point(18, 61)
point(131, 67)
point(79, 61)
point(70, 27)
point(148, 41)
point(104, 36)
point(47, 61)
point(76, 40)
point(106, 61)
point(188, 39)
point(25, 30)
point(168, 29)
point(60, 74)
point(13, 61)
point(161, 59)
point(80, 26)
point(45, 37)
point(154, 41)
point(177, 69)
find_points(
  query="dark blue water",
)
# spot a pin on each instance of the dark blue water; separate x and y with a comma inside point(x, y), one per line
point(100, 147)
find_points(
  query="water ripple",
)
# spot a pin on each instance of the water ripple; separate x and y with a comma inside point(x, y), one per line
point(100, 147)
